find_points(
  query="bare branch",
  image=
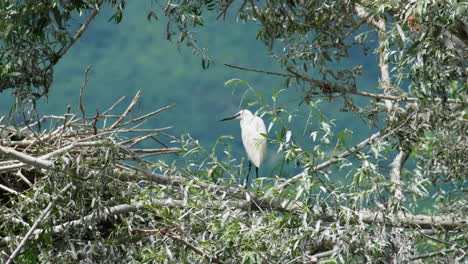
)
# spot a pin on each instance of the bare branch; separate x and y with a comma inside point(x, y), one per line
point(21, 176)
point(129, 108)
point(437, 253)
point(85, 81)
point(334, 160)
point(5, 188)
point(37, 162)
point(77, 35)
point(395, 173)
point(261, 71)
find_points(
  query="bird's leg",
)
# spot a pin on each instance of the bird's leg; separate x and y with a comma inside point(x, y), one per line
point(256, 172)
point(248, 174)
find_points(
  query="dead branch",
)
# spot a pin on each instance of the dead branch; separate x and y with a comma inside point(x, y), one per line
point(40, 163)
point(77, 35)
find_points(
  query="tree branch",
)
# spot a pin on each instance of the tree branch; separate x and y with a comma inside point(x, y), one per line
point(94, 218)
point(334, 160)
point(437, 253)
point(339, 89)
point(77, 35)
point(395, 173)
point(168, 233)
point(44, 213)
point(36, 162)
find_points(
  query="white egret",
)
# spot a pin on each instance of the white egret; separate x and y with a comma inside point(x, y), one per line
point(254, 142)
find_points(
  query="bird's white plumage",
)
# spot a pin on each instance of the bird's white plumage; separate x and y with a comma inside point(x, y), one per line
point(254, 143)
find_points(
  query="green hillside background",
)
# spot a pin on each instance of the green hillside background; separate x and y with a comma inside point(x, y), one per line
point(135, 55)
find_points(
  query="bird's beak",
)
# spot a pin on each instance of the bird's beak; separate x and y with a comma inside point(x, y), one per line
point(230, 118)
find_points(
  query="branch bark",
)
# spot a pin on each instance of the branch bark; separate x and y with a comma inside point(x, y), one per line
point(339, 89)
point(395, 173)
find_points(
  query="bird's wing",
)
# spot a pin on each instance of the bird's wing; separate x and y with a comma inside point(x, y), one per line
point(254, 142)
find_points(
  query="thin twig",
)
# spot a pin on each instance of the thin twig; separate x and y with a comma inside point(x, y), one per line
point(168, 233)
point(156, 150)
point(21, 176)
point(37, 162)
point(148, 115)
point(113, 106)
point(433, 254)
point(64, 125)
point(260, 71)
point(129, 108)
point(77, 35)
point(85, 81)
point(334, 160)
point(44, 213)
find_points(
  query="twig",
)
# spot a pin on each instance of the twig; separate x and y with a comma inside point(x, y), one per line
point(133, 141)
point(159, 141)
point(225, 7)
point(37, 162)
point(64, 125)
point(129, 108)
point(395, 173)
point(261, 71)
point(265, 25)
point(148, 115)
point(171, 150)
point(382, 133)
point(74, 39)
point(72, 146)
point(12, 167)
point(384, 69)
point(170, 234)
point(21, 176)
point(44, 213)
point(114, 105)
point(438, 240)
point(5, 188)
point(94, 218)
point(324, 254)
point(85, 81)
point(125, 131)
